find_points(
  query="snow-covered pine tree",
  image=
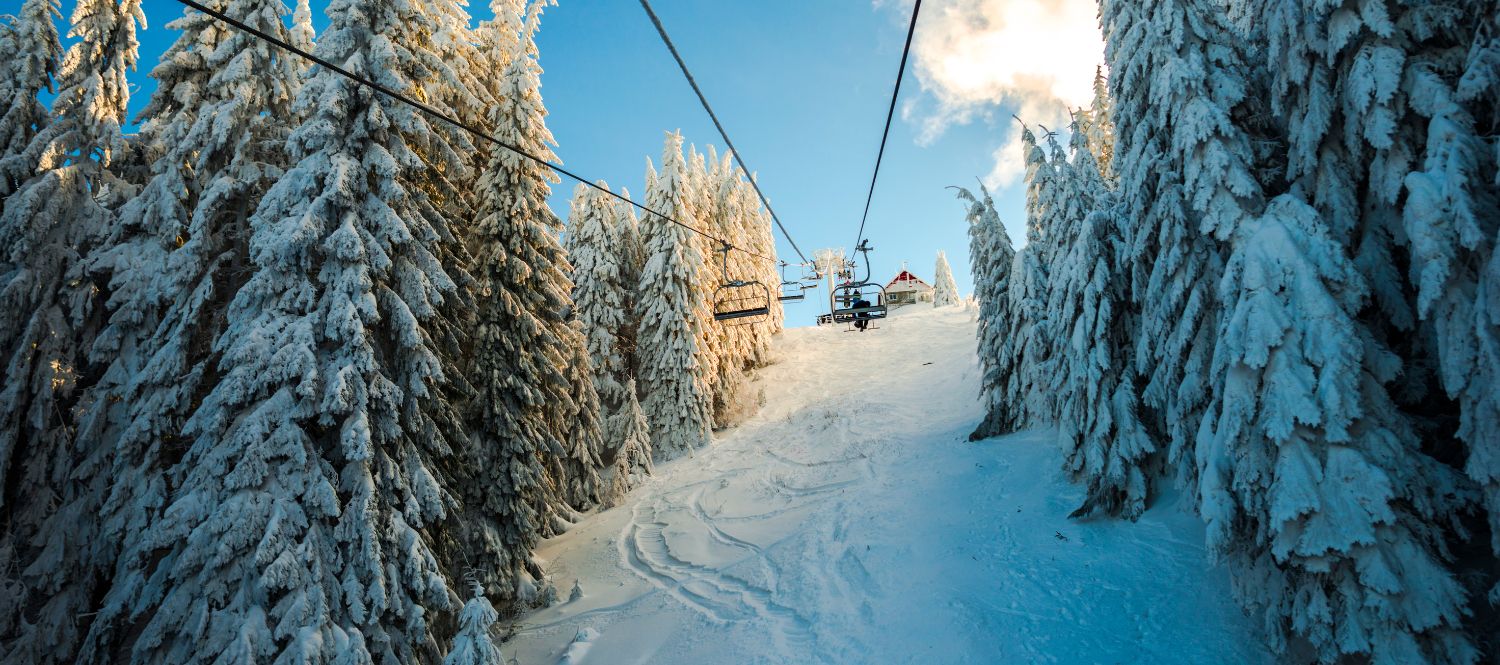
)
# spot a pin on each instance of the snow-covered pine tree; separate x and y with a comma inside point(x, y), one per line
point(314, 487)
point(175, 257)
point(1091, 374)
point(626, 238)
point(1383, 158)
point(1056, 211)
point(632, 248)
point(466, 64)
point(1176, 80)
point(1311, 482)
point(579, 426)
point(474, 645)
point(754, 230)
point(302, 34)
point(1401, 166)
point(698, 194)
point(633, 461)
point(676, 405)
point(1027, 338)
point(602, 301)
point(945, 289)
point(525, 477)
point(1099, 125)
point(1479, 91)
point(50, 555)
point(573, 408)
point(991, 256)
point(30, 54)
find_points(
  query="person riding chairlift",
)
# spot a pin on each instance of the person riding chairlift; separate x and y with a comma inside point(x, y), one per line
point(861, 321)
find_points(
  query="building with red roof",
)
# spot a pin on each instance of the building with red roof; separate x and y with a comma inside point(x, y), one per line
point(907, 289)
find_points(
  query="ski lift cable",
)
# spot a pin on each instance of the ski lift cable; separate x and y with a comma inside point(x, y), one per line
point(440, 116)
point(662, 30)
point(895, 94)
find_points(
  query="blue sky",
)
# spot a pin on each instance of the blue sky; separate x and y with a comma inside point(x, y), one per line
point(802, 87)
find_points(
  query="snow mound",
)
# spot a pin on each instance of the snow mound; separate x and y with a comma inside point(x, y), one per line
point(850, 522)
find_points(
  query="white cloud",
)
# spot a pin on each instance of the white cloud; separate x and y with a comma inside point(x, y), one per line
point(976, 59)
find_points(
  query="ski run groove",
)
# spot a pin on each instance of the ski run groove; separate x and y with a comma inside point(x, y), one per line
point(850, 522)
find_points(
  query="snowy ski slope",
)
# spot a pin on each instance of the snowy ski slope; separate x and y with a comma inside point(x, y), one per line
point(849, 522)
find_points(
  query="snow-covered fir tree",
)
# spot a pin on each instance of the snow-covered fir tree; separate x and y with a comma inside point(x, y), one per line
point(474, 645)
point(1099, 125)
point(1408, 172)
point(317, 476)
point(526, 473)
point(30, 54)
point(626, 237)
point(175, 257)
point(1381, 166)
point(1311, 484)
point(602, 304)
point(991, 256)
point(945, 291)
point(698, 189)
point(302, 34)
point(1026, 349)
point(1180, 181)
point(633, 462)
point(1479, 91)
point(632, 248)
point(52, 481)
point(675, 401)
point(1090, 372)
point(1014, 281)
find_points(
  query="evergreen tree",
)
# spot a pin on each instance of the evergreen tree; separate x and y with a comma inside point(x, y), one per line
point(302, 34)
point(1091, 373)
point(633, 461)
point(675, 402)
point(1028, 338)
point(526, 473)
point(602, 302)
point(626, 238)
point(1185, 180)
point(1099, 126)
point(474, 645)
point(990, 258)
point(946, 291)
point(1381, 161)
point(1310, 486)
point(1398, 167)
point(306, 513)
point(175, 258)
point(1479, 90)
point(50, 553)
point(698, 188)
point(30, 54)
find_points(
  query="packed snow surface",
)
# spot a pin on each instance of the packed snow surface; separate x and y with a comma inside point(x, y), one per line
point(851, 522)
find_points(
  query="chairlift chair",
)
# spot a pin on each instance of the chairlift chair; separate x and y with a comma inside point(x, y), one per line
point(791, 289)
point(845, 295)
point(742, 301)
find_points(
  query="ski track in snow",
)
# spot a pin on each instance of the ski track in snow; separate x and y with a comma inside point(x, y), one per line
point(850, 522)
